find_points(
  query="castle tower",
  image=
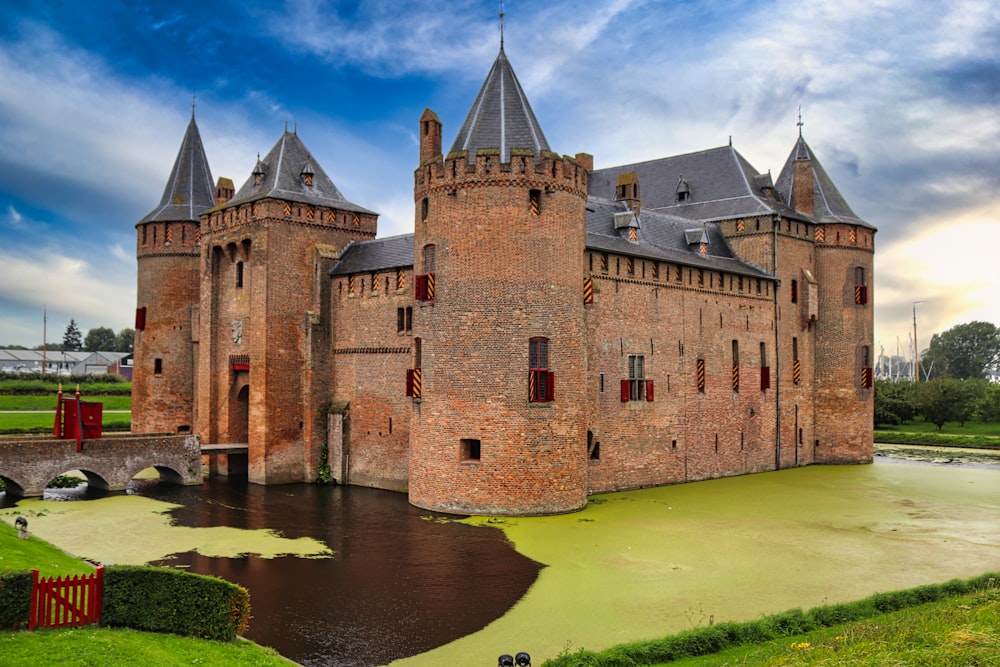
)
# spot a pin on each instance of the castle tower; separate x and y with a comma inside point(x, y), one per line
point(264, 348)
point(499, 423)
point(838, 306)
point(168, 293)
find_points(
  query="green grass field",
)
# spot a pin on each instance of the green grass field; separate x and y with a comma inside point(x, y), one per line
point(23, 402)
point(34, 414)
point(93, 645)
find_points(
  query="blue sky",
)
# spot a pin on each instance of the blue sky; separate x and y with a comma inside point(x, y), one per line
point(900, 102)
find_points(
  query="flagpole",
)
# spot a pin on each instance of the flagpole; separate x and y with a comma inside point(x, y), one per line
point(45, 325)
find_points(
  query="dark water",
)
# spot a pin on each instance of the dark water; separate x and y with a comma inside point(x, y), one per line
point(402, 581)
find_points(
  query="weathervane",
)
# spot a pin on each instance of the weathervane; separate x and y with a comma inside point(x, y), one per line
point(193, 98)
point(501, 25)
point(800, 123)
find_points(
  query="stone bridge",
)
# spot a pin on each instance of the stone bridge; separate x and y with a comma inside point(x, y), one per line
point(27, 465)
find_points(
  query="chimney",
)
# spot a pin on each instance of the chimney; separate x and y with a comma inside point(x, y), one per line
point(586, 161)
point(224, 190)
point(802, 186)
point(430, 136)
point(627, 190)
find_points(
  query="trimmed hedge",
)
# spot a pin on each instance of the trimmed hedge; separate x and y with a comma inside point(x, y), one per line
point(163, 600)
point(15, 599)
point(716, 638)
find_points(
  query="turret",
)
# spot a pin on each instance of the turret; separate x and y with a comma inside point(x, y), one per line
point(168, 292)
point(499, 423)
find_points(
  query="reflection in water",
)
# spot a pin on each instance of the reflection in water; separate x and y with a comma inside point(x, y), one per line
point(401, 581)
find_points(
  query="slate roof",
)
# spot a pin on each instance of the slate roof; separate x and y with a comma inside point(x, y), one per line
point(665, 237)
point(282, 169)
point(828, 204)
point(392, 252)
point(720, 182)
point(660, 236)
point(500, 117)
point(189, 189)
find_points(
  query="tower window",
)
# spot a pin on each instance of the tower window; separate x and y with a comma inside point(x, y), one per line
point(535, 201)
point(157, 366)
point(424, 208)
point(860, 288)
point(795, 291)
point(470, 449)
point(239, 274)
point(637, 387)
point(736, 365)
point(541, 381)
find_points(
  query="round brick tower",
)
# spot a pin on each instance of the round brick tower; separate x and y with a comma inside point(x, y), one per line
point(168, 290)
point(844, 315)
point(499, 423)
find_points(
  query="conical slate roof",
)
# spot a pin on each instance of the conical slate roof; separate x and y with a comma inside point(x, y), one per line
point(189, 189)
point(500, 117)
point(282, 172)
point(828, 204)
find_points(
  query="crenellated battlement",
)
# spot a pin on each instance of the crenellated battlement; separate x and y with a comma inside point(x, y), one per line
point(455, 171)
point(156, 239)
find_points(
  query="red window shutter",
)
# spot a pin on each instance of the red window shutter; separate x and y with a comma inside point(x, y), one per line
point(649, 390)
point(409, 382)
point(420, 287)
point(765, 377)
point(140, 318)
point(626, 391)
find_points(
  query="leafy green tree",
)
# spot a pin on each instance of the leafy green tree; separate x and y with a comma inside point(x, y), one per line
point(989, 407)
point(949, 400)
point(125, 340)
point(963, 351)
point(100, 339)
point(72, 341)
point(895, 402)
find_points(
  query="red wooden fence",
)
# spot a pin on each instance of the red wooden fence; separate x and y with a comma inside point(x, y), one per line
point(66, 601)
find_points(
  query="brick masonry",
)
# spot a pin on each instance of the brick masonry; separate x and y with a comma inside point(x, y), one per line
point(28, 464)
point(262, 362)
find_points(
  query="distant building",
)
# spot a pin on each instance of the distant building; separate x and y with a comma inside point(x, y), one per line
point(58, 362)
point(548, 331)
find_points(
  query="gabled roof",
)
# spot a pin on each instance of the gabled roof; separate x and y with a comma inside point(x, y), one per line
point(665, 237)
point(392, 252)
point(719, 182)
point(282, 171)
point(500, 117)
point(828, 204)
point(189, 189)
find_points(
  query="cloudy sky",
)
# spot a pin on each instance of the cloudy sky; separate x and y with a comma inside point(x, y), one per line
point(900, 100)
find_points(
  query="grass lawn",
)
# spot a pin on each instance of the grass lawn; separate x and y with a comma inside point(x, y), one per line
point(110, 647)
point(960, 631)
point(972, 427)
point(33, 553)
point(25, 402)
point(119, 647)
point(41, 422)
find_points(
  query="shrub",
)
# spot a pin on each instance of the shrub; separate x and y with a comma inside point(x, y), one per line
point(15, 599)
point(163, 600)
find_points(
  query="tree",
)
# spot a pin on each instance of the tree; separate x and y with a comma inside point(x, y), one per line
point(964, 351)
point(125, 340)
point(989, 407)
point(100, 339)
point(895, 402)
point(72, 341)
point(949, 400)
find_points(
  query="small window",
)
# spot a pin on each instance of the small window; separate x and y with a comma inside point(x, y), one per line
point(424, 208)
point(158, 366)
point(795, 291)
point(239, 274)
point(470, 449)
point(400, 320)
point(796, 364)
point(736, 365)
point(540, 378)
point(700, 375)
point(637, 387)
point(860, 287)
point(408, 324)
point(535, 201)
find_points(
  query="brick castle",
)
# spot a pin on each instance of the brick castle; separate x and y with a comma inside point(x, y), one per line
point(548, 331)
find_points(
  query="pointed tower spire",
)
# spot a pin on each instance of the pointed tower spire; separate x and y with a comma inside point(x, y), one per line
point(501, 117)
point(805, 185)
point(189, 189)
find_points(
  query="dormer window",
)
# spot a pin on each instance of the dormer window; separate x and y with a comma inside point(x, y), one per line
point(307, 174)
point(258, 172)
point(683, 192)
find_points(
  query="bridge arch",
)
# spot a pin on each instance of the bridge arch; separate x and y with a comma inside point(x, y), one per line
point(14, 488)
